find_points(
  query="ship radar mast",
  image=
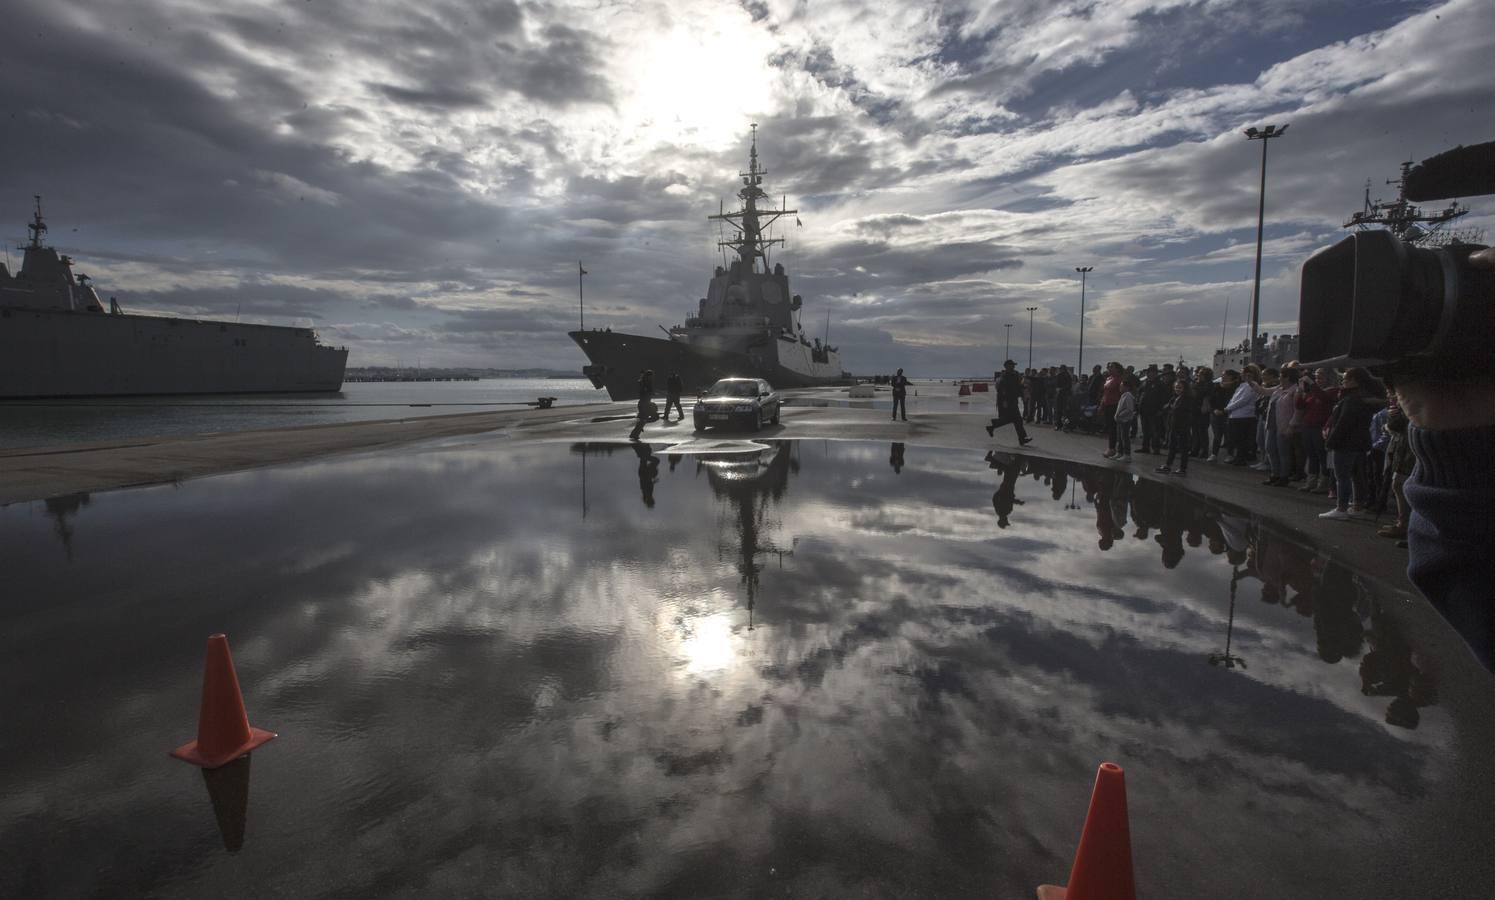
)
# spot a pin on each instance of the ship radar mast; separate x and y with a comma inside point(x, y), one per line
point(37, 227)
point(750, 222)
point(1408, 221)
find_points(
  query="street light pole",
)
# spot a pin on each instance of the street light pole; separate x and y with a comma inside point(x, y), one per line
point(1080, 366)
point(1264, 135)
point(1030, 335)
point(1008, 354)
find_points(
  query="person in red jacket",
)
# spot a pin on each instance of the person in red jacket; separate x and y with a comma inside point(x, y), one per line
point(1314, 407)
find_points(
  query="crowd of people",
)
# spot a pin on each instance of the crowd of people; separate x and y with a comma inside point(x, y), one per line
point(1340, 434)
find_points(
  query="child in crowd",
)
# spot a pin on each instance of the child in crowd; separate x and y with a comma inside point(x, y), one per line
point(1126, 414)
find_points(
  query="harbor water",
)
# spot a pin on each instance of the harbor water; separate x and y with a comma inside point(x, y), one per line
point(38, 423)
point(765, 668)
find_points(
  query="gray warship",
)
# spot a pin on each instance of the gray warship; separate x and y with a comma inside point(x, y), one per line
point(748, 324)
point(57, 339)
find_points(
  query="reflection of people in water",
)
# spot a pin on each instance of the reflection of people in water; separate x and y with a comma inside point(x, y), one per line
point(1290, 574)
point(648, 471)
point(1335, 622)
point(1005, 496)
point(1389, 669)
point(895, 457)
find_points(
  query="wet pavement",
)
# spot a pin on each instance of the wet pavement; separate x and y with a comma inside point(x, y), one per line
point(803, 668)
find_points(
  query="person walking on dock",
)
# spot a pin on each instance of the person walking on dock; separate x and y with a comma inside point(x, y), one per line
point(1009, 399)
point(900, 395)
point(645, 402)
point(674, 386)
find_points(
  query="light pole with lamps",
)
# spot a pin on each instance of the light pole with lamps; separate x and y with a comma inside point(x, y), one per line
point(1264, 135)
point(1008, 355)
point(1080, 366)
point(1030, 309)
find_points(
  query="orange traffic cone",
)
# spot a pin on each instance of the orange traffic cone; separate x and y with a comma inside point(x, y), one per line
point(223, 731)
point(1103, 864)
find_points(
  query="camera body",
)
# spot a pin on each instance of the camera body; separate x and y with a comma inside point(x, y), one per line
point(1373, 299)
point(1376, 300)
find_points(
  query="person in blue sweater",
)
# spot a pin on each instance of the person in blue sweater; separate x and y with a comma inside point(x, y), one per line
point(1451, 533)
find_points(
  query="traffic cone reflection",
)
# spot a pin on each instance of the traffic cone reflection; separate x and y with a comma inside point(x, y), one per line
point(228, 791)
point(223, 730)
point(1103, 864)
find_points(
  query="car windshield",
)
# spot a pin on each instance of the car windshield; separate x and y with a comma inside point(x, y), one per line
point(733, 389)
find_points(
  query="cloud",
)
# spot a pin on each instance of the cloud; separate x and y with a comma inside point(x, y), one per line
point(951, 163)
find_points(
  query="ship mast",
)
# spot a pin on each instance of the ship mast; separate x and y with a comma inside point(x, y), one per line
point(750, 222)
point(1408, 221)
point(37, 227)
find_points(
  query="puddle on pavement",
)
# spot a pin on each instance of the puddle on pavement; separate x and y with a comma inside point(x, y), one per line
point(792, 668)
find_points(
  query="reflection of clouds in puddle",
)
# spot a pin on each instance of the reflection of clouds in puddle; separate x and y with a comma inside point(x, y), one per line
point(505, 690)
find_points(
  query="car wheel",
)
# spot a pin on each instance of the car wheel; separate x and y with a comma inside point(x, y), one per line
point(775, 419)
point(757, 420)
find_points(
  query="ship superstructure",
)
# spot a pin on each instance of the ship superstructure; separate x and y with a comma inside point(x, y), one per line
point(58, 339)
point(748, 324)
point(1407, 221)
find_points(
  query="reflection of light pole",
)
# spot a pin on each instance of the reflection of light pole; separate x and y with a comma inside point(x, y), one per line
point(1008, 354)
point(1030, 335)
point(1217, 658)
point(1080, 366)
point(1072, 504)
point(1264, 135)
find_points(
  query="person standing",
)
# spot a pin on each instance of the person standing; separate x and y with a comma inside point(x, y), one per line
point(1009, 400)
point(900, 395)
point(1400, 461)
point(1240, 418)
point(1313, 415)
point(1126, 416)
point(1110, 395)
point(674, 386)
point(1064, 385)
point(1349, 441)
point(1282, 406)
point(1150, 410)
point(1179, 416)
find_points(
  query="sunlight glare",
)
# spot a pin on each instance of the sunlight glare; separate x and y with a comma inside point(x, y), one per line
point(708, 644)
point(699, 85)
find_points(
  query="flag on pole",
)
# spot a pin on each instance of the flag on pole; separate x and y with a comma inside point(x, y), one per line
point(798, 223)
point(580, 269)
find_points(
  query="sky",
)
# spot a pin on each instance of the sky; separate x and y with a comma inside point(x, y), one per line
point(419, 181)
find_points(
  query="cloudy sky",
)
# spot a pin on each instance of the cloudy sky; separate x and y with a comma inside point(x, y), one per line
point(418, 181)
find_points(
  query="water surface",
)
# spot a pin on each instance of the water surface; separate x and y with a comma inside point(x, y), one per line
point(808, 669)
point(34, 423)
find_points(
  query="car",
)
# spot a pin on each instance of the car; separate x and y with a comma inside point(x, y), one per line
point(746, 401)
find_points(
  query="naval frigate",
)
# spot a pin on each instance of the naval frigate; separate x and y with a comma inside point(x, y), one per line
point(748, 324)
point(57, 339)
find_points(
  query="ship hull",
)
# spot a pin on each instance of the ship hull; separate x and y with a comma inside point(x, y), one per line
point(62, 353)
point(617, 358)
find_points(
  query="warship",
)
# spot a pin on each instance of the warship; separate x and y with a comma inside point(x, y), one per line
point(57, 339)
point(748, 324)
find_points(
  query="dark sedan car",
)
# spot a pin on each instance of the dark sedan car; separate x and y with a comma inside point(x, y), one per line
point(744, 401)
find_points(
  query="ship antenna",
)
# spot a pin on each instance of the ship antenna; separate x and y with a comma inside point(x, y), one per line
point(750, 223)
point(37, 227)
